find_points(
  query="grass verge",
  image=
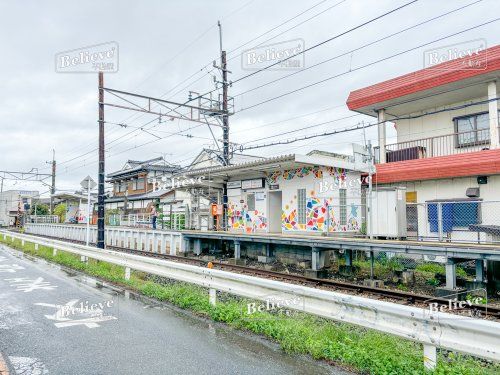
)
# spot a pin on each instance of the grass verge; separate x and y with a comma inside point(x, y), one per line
point(364, 350)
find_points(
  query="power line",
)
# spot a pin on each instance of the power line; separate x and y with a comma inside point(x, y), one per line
point(365, 66)
point(364, 126)
point(317, 45)
point(304, 128)
point(358, 48)
point(326, 41)
point(251, 40)
point(168, 62)
point(285, 22)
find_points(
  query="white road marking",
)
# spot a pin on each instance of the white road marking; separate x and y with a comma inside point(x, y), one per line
point(2, 258)
point(90, 320)
point(28, 366)
point(26, 285)
point(5, 268)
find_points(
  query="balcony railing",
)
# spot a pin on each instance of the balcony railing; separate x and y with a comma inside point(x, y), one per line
point(443, 145)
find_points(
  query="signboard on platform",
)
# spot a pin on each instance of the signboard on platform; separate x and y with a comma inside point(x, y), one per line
point(234, 184)
point(252, 184)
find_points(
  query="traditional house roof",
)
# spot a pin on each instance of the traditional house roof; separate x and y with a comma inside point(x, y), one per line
point(134, 167)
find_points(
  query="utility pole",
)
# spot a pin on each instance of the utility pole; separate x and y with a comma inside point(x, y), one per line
point(225, 124)
point(100, 191)
point(53, 184)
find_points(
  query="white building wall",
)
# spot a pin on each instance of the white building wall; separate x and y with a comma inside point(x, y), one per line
point(437, 124)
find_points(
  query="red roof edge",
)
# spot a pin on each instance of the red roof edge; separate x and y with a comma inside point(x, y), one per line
point(486, 61)
point(479, 163)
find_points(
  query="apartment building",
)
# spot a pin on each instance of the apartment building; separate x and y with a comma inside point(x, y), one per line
point(447, 152)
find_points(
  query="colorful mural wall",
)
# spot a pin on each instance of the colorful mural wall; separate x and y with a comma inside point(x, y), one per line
point(322, 212)
point(241, 219)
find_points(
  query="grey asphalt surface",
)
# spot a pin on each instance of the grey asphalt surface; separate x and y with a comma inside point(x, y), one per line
point(125, 337)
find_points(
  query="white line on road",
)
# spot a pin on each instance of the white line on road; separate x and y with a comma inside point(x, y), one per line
point(23, 284)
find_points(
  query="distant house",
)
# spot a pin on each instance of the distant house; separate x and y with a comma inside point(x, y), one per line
point(76, 206)
point(133, 187)
point(14, 203)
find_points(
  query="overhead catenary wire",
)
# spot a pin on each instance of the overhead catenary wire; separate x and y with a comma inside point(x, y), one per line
point(358, 48)
point(350, 71)
point(365, 66)
point(246, 43)
point(314, 46)
point(364, 126)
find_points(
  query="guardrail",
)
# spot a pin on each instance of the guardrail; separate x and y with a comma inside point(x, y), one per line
point(477, 337)
point(156, 241)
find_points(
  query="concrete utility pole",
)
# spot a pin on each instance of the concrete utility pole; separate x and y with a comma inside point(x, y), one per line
point(53, 184)
point(225, 124)
point(100, 191)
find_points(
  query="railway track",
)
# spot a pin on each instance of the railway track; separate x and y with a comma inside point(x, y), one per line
point(407, 298)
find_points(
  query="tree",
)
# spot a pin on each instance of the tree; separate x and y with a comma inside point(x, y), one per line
point(41, 209)
point(60, 210)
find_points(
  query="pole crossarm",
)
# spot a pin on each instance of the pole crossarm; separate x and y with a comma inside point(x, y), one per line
point(195, 113)
point(24, 176)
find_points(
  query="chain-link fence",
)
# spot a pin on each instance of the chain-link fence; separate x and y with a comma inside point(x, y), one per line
point(473, 221)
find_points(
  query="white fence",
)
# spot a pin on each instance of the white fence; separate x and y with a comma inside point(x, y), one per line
point(477, 337)
point(136, 239)
point(43, 219)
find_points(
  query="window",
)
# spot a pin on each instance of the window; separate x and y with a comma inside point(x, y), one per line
point(472, 129)
point(301, 206)
point(138, 184)
point(251, 202)
point(343, 206)
point(122, 186)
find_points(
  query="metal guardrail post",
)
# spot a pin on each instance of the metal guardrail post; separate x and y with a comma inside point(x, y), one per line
point(430, 357)
point(212, 296)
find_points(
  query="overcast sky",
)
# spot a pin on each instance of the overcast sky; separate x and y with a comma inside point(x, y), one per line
point(162, 43)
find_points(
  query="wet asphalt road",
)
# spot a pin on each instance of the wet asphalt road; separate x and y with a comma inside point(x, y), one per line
point(55, 323)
